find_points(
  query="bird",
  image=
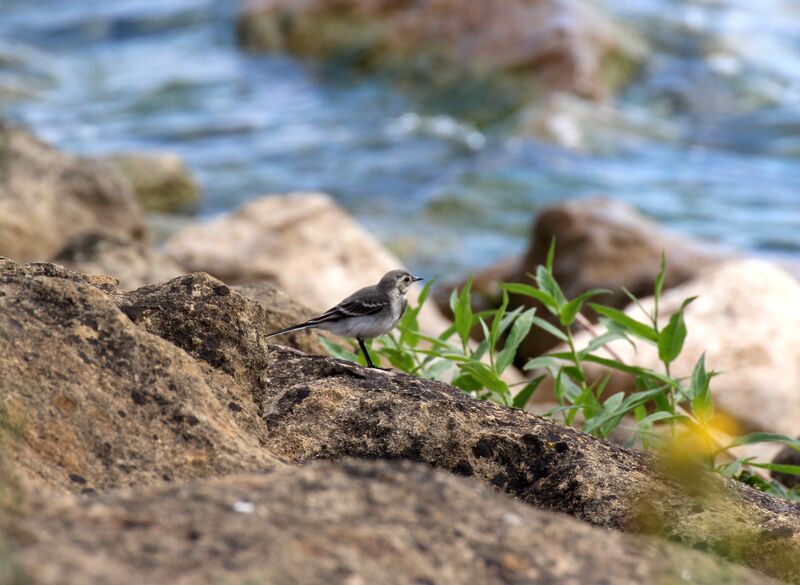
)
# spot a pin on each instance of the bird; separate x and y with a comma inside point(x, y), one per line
point(367, 313)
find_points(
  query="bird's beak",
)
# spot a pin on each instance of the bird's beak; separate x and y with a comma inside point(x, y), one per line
point(417, 278)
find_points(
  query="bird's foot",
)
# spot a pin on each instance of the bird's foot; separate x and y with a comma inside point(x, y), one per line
point(374, 367)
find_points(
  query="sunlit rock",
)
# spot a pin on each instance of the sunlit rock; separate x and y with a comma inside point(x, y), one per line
point(302, 242)
point(47, 197)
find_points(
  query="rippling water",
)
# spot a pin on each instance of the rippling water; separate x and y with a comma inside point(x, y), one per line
point(724, 78)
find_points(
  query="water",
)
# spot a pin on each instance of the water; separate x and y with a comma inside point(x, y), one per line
point(724, 79)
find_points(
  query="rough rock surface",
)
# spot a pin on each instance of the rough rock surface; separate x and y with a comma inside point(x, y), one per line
point(352, 522)
point(132, 263)
point(526, 44)
point(746, 320)
point(98, 402)
point(302, 242)
point(320, 408)
point(161, 180)
point(47, 197)
point(215, 324)
point(600, 243)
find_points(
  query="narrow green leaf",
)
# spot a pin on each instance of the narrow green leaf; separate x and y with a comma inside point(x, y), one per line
point(779, 467)
point(453, 300)
point(487, 336)
point(550, 328)
point(529, 291)
point(733, 468)
point(620, 331)
point(480, 351)
point(519, 331)
point(643, 373)
point(632, 401)
point(566, 389)
point(435, 341)
point(425, 292)
point(656, 417)
point(524, 396)
point(601, 341)
point(437, 369)
point(608, 418)
point(570, 311)
point(574, 372)
point(754, 438)
point(467, 383)
point(637, 302)
point(660, 278)
point(447, 333)
point(463, 313)
point(497, 320)
point(400, 359)
point(485, 376)
point(548, 284)
point(700, 391)
point(631, 325)
point(543, 361)
point(613, 403)
point(671, 338)
point(453, 357)
point(700, 379)
point(551, 254)
point(507, 320)
point(337, 350)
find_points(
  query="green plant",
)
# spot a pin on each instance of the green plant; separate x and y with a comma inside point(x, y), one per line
point(476, 368)
point(667, 412)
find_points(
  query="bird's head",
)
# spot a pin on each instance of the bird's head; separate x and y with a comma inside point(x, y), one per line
point(397, 280)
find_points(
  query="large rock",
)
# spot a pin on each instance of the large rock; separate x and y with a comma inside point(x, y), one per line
point(132, 263)
point(746, 320)
point(600, 243)
point(47, 197)
point(217, 325)
point(302, 242)
point(161, 180)
point(354, 522)
point(98, 402)
point(321, 408)
point(509, 49)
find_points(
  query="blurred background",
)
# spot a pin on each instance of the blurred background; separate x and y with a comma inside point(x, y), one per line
point(699, 127)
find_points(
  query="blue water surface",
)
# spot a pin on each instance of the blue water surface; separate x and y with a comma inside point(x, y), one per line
point(98, 77)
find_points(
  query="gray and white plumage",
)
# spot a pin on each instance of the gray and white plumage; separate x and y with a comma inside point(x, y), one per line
point(367, 313)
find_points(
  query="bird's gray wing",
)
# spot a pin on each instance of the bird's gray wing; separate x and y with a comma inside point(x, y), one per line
point(367, 301)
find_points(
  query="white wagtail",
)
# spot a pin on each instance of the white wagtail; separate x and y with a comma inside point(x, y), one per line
point(367, 313)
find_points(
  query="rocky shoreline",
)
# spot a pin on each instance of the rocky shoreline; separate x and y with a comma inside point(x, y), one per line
point(175, 382)
point(149, 429)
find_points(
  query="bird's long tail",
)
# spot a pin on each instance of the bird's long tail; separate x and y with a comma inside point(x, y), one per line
point(306, 325)
point(331, 315)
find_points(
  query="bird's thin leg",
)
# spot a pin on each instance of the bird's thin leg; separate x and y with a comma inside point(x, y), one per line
point(366, 353)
